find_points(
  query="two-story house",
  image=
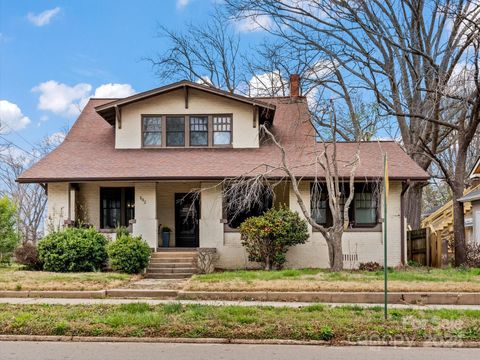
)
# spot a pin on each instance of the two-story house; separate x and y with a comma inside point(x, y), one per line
point(133, 161)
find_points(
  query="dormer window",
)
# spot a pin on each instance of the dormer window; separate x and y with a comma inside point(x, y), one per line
point(175, 130)
point(198, 130)
point(222, 130)
point(187, 130)
point(152, 130)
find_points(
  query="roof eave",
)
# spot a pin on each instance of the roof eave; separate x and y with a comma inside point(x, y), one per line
point(25, 180)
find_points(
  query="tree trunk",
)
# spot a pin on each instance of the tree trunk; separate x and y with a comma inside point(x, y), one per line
point(413, 205)
point(458, 211)
point(335, 252)
point(458, 231)
point(268, 264)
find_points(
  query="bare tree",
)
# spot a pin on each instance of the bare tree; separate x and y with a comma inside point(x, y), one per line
point(268, 72)
point(403, 53)
point(208, 54)
point(462, 120)
point(251, 190)
point(29, 199)
point(327, 160)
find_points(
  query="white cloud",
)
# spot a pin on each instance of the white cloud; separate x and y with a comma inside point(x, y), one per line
point(267, 84)
point(55, 139)
point(312, 98)
point(44, 17)
point(253, 22)
point(11, 117)
point(182, 3)
point(69, 101)
point(62, 99)
point(204, 80)
point(114, 91)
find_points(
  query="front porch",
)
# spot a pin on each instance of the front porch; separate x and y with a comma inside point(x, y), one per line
point(145, 208)
point(148, 206)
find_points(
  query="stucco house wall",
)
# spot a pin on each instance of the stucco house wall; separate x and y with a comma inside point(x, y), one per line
point(360, 246)
point(155, 205)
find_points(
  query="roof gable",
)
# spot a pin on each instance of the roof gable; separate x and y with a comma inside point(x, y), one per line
point(475, 173)
point(108, 110)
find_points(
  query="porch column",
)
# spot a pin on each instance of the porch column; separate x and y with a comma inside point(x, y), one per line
point(146, 224)
point(211, 227)
point(58, 206)
point(304, 188)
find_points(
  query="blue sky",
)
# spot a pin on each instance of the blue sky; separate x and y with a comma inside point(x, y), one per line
point(56, 54)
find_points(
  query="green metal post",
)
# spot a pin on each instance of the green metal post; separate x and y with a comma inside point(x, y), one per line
point(385, 271)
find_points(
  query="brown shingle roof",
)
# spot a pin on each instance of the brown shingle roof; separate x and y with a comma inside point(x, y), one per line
point(88, 153)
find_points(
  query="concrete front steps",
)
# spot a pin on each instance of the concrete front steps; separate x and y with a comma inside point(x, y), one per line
point(172, 265)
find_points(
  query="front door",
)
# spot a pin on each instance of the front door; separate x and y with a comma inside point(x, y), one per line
point(186, 220)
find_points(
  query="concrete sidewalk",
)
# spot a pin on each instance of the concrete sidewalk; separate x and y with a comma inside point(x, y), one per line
point(58, 301)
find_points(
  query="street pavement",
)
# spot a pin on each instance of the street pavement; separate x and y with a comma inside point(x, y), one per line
point(24, 350)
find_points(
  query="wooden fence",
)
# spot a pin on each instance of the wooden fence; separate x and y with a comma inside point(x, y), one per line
point(418, 247)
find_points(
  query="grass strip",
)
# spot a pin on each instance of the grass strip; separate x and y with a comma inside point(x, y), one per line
point(409, 279)
point(13, 278)
point(315, 322)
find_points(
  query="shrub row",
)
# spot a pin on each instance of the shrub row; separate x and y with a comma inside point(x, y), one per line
point(85, 250)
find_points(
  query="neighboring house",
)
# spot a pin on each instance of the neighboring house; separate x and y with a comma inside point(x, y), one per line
point(473, 198)
point(135, 160)
point(439, 224)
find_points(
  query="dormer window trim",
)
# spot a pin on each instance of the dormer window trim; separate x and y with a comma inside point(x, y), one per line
point(212, 128)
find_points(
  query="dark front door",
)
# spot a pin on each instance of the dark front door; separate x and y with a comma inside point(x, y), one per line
point(186, 220)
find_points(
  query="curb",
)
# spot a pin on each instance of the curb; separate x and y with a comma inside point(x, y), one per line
point(141, 293)
point(89, 294)
point(50, 338)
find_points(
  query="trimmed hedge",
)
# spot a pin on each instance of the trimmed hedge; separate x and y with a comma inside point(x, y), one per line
point(73, 250)
point(128, 254)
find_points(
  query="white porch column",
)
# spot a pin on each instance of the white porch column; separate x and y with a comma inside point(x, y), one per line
point(146, 224)
point(58, 206)
point(304, 188)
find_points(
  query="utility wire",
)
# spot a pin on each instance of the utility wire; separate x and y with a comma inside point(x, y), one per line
point(19, 147)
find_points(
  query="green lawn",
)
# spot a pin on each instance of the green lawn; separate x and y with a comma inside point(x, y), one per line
point(409, 279)
point(409, 274)
point(315, 322)
point(14, 278)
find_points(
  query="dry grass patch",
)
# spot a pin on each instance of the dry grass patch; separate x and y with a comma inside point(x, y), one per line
point(14, 279)
point(319, 285)
point(411, 279)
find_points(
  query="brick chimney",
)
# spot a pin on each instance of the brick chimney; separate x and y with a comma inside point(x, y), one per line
point(294, 85)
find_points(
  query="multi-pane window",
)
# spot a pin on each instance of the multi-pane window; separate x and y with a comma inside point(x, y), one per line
point(222, 130)
point(362, 212)
point(365, 208)
point(199, 130)
point(175, 130)
point(186, 130)
point(152, 131)
point(319, 206)
point(117, 207)
point(236, 216)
